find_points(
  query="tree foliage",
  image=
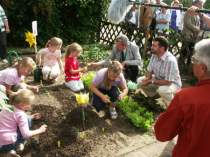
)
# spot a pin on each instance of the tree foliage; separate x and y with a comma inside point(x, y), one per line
point(70, 20)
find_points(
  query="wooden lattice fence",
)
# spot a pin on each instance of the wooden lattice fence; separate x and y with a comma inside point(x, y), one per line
point(143, 38)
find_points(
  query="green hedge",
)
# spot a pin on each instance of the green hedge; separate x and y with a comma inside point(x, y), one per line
point(71, 20)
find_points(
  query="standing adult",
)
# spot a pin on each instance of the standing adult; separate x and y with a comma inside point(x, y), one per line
point(128, 54)
point(146, 13)
point(191, 27)
point(131, 19)
point(162, 20)
point(3, 41)
point(175, 17)
point(188, 114)
point(164, 66)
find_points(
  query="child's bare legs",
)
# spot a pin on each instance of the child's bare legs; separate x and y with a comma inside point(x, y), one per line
point(112, 110)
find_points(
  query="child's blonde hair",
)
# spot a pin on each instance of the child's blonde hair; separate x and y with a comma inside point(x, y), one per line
point(54, 41)
point(26, 61)
point(24, 96)
point(115, 67)
point(72, 47)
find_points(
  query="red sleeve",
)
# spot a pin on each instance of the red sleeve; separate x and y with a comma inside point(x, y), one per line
point(168, 124)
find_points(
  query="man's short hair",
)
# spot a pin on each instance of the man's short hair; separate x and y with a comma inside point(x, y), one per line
point(163, 42)
point(123, 39)
point(202, 53)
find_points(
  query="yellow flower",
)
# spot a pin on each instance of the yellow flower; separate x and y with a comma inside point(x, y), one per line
point(82, 98)
point(30, 38)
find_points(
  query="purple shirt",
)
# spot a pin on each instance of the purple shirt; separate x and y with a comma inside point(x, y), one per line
point(99, 79)
point(9, 123)
point(10, 77)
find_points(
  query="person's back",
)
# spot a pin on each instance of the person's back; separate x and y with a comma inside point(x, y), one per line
point(193, 108)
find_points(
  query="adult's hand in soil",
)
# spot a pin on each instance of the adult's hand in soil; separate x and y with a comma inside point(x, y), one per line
point(43, 128)
point(105, 98)
point(36, 116)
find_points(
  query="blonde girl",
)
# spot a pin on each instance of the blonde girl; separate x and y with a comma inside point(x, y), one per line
point(12, 79)
point(73, 78)
point(105, 83)
point(52, 59)
point(14, 127)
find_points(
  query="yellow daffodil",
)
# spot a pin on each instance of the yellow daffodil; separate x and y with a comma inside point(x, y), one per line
point(30, 38)
point(82, 98)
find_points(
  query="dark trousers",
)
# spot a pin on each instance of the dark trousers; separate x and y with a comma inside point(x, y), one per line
point(132, 72)
point(3, 45)
point(113, 93)
point(130, 31)
point(184, 52)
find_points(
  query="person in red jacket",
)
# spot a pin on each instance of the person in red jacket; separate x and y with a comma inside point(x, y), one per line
point(188, 114)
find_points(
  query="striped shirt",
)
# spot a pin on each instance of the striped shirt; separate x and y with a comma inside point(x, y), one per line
point(165, 68)
point(2, 19)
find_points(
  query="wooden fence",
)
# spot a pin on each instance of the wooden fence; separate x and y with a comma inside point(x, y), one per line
point(143, 38)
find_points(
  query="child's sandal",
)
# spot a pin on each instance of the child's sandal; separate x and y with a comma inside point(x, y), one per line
point(113, 113)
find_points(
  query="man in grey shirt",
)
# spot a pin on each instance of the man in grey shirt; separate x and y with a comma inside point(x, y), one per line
point(127, 53)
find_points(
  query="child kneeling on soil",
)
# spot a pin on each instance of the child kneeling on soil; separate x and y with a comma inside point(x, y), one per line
point(52, 59)
point(12, 79)
point(14, 127)
point(73, 78)
point(105, 82)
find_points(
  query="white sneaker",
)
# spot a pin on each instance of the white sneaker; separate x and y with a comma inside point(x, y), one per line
point(4, 61)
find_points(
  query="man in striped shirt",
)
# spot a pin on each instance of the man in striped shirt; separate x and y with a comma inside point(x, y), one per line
point(166, 80)
point(4, 29)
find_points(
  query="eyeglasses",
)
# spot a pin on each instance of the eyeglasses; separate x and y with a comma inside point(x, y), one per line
point(193, 60)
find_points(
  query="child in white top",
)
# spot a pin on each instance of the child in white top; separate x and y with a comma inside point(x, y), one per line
point(12, 79)
point(52, 59)
point(14, 127)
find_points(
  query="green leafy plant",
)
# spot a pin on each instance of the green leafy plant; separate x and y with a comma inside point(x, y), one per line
point(87, 80)
point(93, 53)
point(47, 92)
point(3, 105)
point(137, 114)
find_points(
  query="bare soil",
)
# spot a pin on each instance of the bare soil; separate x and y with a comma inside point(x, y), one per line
point(63, 115)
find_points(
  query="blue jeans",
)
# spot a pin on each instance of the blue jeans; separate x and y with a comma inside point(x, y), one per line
point(20, 139)
point(113, 93)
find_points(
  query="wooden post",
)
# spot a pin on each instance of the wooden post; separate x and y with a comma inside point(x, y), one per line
point(35, 49)
point(145, 44)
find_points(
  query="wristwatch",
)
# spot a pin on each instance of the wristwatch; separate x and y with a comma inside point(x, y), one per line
point(7, 27)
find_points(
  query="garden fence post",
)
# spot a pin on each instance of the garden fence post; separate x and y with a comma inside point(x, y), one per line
point(146, 44)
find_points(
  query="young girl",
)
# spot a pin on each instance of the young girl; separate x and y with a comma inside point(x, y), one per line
point(52, 59)
point(14, 127)
point(105, 82)
point(12, 79)
point(73, 78)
